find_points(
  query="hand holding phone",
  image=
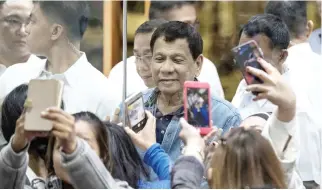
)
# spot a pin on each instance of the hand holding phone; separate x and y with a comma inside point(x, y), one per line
point(135, 112)
point(197, 105)
point(145, 138)
point(246, 55)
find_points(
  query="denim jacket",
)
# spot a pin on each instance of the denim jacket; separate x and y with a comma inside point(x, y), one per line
point(223, 115)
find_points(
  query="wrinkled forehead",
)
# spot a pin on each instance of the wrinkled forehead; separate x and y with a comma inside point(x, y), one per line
point(18, 8)
point(169, 48)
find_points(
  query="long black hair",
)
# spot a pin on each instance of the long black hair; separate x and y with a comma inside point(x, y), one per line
point(12, 108)
point(126, 162)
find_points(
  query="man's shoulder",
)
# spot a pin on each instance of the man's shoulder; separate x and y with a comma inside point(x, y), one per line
point(118, 68)
point(223, 105)
point(208, 63)
point(315, 33)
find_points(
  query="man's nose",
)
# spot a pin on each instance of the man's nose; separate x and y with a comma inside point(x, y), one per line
point(167, 67)
point(23, 31)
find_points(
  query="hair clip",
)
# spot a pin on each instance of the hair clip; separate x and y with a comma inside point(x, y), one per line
point(223, 141)
point(28, 103)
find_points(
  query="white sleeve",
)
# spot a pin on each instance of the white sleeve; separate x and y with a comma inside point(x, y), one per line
point(209, 74)
point(110, 100)
point(277, 133)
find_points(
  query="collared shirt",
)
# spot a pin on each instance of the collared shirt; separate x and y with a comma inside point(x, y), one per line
point(304, 76)
point(315, 41)
point(32, 58)
point(85, 88)
point(162, 121)
point(135, 83)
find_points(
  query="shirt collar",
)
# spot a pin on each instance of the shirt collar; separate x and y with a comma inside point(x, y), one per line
point(73, 74)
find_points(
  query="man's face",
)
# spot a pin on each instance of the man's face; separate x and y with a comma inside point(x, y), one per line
point(270, 55)
point(143, 57)
point(172, 65)
point(186, 13)
point(39, 40)
point(14, 16)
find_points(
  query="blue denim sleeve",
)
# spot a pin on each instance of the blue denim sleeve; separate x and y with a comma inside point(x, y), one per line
point(234, 121)
point(159, 161)
point(163, 184)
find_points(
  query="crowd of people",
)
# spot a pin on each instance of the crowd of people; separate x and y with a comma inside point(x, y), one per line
point(272, 139)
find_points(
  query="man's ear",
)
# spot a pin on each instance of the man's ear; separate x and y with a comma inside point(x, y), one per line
point(56, 31)
point(199, 62)
point(283, 56)
point(309, 28)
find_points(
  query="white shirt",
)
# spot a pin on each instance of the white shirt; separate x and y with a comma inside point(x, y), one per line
point(32, 58)
point(135, 83)
point(304, 76)
point(85, 88)
point(315, 41)
point(277, 133)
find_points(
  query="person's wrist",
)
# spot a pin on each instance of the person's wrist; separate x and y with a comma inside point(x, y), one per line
point(147, 145)
point(70, 147)
point(18, 144)
point(197, 142)
point(194, 151)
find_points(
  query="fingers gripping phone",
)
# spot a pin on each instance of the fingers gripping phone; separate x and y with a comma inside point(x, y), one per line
point(42, 94)
point(197, 105)
point(135, 112)
point(246, 55)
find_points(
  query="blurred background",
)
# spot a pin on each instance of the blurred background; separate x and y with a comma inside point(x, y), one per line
point(220, 22)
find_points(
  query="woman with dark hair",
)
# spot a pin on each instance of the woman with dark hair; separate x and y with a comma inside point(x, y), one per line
point(122, 166)
point(126, 161)
point(88, 127)
point(11, 112)
point(110, 143)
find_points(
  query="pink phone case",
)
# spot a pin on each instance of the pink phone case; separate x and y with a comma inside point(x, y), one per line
point(197, 85)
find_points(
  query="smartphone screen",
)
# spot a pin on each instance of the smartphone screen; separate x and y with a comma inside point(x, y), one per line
point(198, 106)
point(246, 55)
point(136, 112)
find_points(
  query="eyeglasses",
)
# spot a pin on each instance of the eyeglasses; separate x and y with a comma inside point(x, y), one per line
point(146, 59)
point(16, 23)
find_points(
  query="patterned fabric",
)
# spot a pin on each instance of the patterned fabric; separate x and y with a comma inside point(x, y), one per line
point(162, 121)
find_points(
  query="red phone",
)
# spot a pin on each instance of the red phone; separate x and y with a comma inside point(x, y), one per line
point(197, 105)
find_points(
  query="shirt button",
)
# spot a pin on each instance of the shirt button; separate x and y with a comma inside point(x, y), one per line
point(162, 132)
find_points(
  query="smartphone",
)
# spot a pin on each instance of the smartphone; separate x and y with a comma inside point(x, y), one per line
point(246, 55)
point(135, 112)
point(42, 94)
point(197, 105)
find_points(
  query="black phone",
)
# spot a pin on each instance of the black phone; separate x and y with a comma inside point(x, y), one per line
point(135, 112)
point(246, 55)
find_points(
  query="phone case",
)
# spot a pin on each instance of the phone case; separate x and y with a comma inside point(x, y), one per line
point(197, 85)
point(128, 102)
point(42, 94)
point(246, 55)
